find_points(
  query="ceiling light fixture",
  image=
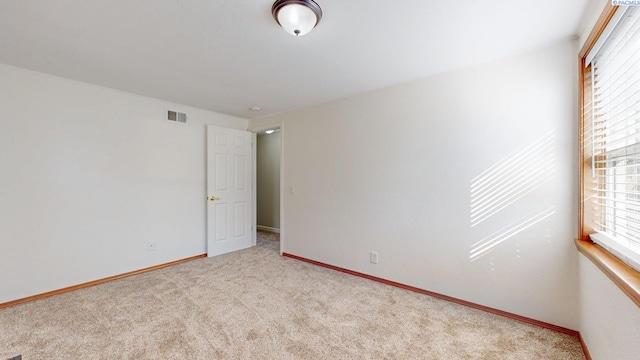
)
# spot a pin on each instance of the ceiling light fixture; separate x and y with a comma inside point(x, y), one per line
point(297, 17)
point(269, 132)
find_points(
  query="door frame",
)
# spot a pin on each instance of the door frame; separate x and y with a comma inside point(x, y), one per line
point(255, 132)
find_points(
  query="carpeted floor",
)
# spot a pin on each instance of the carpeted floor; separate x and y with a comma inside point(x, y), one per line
point(254, 304)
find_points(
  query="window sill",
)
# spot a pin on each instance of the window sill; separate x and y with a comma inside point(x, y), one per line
point(626, 278)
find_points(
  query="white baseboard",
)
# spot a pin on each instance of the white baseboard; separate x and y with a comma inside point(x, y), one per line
point(269, 229)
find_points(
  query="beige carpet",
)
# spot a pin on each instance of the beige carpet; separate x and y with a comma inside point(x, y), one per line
point(254, 304)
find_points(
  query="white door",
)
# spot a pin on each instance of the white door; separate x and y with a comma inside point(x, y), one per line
point(229, 180)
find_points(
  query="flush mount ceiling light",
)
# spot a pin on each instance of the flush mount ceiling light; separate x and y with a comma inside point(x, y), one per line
point(297, 17)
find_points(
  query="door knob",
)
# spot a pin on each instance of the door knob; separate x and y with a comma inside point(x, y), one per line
point(213, 198)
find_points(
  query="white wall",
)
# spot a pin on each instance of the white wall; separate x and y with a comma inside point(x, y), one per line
point(392, 171)
point(87, 176)
point(609, 320)
point(590, 17)
point(268, 182)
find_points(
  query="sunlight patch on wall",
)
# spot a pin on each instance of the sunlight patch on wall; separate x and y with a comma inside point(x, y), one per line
point(485, 245)
point(513, 177)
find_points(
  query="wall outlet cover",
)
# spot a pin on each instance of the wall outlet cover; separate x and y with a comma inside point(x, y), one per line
point(373, 257)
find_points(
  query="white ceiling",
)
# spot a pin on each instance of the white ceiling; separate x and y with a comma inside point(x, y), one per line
point(229, 55)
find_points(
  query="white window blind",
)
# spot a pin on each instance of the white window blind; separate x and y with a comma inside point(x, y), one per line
point(615, 71)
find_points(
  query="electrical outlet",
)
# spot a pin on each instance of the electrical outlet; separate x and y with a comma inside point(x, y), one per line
point(151, 245)
point(373, 257)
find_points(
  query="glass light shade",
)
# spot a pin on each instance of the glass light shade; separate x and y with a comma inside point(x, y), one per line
point(297, 19)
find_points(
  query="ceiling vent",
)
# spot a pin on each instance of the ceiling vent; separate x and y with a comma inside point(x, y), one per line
point(177, 117)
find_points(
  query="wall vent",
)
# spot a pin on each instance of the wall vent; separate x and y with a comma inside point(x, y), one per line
point(177, 117)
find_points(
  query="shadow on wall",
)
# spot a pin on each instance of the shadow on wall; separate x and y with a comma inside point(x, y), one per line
point(503, 184)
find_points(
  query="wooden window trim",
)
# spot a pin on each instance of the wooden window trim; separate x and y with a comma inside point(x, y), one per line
point(625, 277)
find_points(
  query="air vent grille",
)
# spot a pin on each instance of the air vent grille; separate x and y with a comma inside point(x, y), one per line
point(177, 117)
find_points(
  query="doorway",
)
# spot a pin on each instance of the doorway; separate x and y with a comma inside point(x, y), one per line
point(268, 180)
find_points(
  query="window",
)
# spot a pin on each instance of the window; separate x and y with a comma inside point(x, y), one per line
point(611, 137)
